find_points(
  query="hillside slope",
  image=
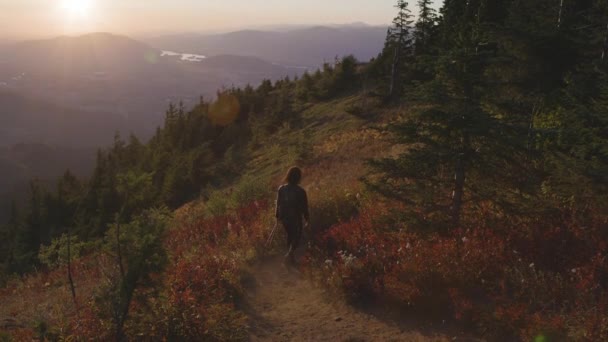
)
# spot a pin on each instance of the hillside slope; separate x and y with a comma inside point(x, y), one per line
point(277, 304)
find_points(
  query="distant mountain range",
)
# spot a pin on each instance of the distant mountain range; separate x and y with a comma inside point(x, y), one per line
point(92, 52)
point(97, 84)
point(309, 47)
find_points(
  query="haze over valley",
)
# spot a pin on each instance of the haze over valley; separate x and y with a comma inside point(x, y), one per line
point(121, 84)
point(74, 93)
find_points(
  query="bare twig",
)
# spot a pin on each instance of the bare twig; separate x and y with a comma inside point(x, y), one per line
point(119, 251)
point(70, 279)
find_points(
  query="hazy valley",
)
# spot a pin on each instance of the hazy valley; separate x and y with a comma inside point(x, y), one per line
point(69, 96)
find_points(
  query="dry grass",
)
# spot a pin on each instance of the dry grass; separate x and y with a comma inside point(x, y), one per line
point(45, 297)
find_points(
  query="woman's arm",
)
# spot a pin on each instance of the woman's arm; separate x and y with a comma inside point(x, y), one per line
point(277, 213)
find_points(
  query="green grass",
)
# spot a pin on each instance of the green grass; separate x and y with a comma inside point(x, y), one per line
point(294, 145)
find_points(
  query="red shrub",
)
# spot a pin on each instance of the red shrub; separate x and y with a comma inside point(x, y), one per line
point(525, 282)
point(203, 279)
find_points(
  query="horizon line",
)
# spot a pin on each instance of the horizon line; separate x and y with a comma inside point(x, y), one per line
point(152, 33)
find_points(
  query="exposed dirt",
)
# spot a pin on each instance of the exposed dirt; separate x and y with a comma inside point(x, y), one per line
point(285, 306)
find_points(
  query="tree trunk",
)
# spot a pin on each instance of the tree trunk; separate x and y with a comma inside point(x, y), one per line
point(119, 252)
point(530, 141)
point(559, 16)
point(70, 279)
point(395, 68)
point(124, 310)
point(605, 48)
point(119, 319)
point(459, 182)
point(458, 193)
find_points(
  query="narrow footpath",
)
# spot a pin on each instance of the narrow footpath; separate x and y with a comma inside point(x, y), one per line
point(285, 306)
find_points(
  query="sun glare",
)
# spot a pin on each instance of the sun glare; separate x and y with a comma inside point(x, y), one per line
point(76, 8)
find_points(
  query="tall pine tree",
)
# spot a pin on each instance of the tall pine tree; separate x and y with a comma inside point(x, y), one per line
point(400, 44)
point(461, 149)
point(425, 26)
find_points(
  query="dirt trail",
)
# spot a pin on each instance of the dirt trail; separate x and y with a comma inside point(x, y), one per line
point(285, 306)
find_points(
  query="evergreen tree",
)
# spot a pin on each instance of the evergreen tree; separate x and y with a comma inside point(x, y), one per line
point(345, 74)
point(576, 155)
point(425, 26)
point(305, 88)
point(461, 146)
point(33, 232)
point(8, 234)
point(452, 19)
point(62, 205)
point(399, 43)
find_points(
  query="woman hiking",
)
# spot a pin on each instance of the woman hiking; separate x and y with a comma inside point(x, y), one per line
point(292, 207)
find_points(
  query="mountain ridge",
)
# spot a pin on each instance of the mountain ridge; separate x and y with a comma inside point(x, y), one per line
point(310, 46)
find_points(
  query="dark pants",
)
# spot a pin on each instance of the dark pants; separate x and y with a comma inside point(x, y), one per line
point(294, 233)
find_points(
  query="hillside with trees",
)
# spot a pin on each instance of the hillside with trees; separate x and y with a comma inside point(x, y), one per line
point(458, 179)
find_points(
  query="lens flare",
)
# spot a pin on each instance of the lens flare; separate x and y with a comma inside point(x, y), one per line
point(225, 110)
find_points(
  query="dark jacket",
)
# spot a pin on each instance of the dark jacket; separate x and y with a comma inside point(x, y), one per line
point(292, 203)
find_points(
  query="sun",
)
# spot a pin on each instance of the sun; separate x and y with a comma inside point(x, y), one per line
point(76, 8)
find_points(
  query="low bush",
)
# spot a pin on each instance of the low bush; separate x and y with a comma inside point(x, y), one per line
point(506, 283)
point(56, 254)
point(208, 259)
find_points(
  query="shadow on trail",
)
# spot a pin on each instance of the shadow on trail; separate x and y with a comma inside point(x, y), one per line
point(283, 305)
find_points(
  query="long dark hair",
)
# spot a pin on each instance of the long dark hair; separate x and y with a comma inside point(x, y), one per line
point(294, 176)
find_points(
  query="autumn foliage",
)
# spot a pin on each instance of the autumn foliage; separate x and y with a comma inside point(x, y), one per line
point(527, 281)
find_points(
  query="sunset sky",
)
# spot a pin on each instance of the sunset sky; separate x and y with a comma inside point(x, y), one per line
point(42, 18)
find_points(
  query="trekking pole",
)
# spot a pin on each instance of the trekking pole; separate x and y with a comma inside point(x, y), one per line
point(271, 237)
